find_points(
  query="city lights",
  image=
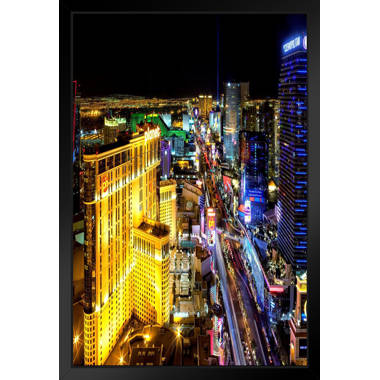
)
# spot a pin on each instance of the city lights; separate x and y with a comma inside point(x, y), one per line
point(190, 234)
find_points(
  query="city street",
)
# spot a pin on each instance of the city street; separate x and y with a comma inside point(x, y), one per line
point(237, 348)
point(236, 284)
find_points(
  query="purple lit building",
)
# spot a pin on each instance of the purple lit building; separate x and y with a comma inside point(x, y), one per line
point(165, 159)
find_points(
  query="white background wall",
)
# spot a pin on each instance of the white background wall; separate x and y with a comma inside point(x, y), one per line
point(349, 193)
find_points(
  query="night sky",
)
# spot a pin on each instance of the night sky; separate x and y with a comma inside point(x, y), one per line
point(175, 55)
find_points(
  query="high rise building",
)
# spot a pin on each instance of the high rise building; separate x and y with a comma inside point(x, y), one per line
point(165, 159)
point(151, 272)
point(178, 146)
point(292, 228)
point(186, 122)
point(298, 324)
point(120, 182)
point(262, 115)
point(231, 125)
point(112, 127)
point(167, 118)
point(244, 91)
point(205, 105)
point(254, 179)
point(168, 207)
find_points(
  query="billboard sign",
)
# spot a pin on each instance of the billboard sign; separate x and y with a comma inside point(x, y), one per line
point(211, 227)
point(247, 206)
point(227, 184)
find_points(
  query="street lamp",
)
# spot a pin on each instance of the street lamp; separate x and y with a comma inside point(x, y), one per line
point(121, 360)
point(76, 339)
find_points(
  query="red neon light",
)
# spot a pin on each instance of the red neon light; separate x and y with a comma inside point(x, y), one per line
point(276, 288)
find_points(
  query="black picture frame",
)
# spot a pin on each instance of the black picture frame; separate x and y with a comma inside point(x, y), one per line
point(67, 10)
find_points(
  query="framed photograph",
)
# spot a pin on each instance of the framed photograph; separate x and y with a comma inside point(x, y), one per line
point(189, 190)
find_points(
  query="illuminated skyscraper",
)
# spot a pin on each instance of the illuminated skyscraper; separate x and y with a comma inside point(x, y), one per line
point(262, 115)
point(112, 127)
point(254, 179)
point(167, 118)
point(185, 122)
point(151, 272)
point(177, 146)
point(292, 228)
point(205, 105)
point(168, 207)
point(231, 126)
point(120, 181)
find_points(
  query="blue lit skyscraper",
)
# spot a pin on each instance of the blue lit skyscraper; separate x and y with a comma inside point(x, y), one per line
point(231, 126)
point(292, 228)
point(254, 179)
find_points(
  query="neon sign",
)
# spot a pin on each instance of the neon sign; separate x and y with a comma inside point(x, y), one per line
point(276, 289)
point(211, 227)
point(295, 43)
point(247, 216)
point(152, 133)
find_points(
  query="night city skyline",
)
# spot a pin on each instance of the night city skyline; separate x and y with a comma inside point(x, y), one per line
point(119, 54)
point(190, 194)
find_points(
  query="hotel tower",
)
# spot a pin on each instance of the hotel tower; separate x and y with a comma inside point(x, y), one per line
point(292, 226)
point(126, 249)
point(231, 125)
point(168, 207)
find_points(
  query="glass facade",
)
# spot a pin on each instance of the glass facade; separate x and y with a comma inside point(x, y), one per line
point(292, 228)
point(231, 125)
point(262, 115)
point(254, 163)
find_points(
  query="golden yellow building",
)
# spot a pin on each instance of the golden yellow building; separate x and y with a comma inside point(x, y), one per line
point(168, 207)
point(119, 191)
point(151, 272)
point(205, 105)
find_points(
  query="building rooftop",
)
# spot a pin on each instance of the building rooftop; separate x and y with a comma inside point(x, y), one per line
point(124, 138)
point(193, 188)
point(144, 356)
point(156, 229)
point(168, 182)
